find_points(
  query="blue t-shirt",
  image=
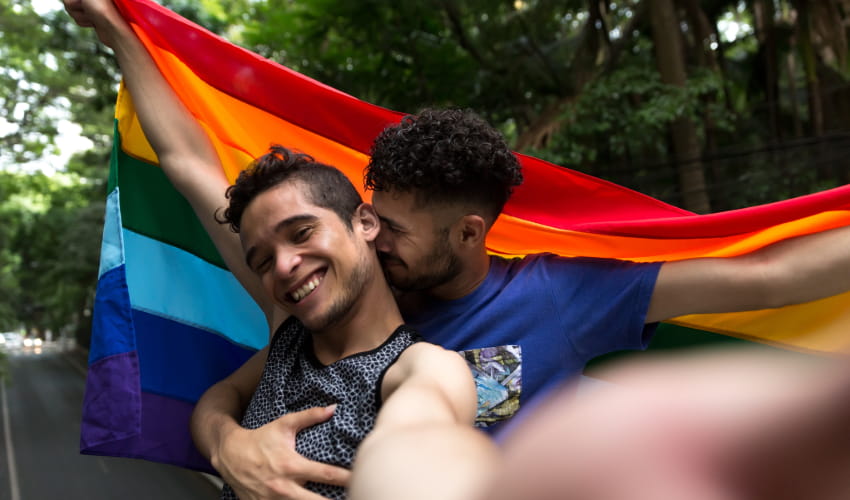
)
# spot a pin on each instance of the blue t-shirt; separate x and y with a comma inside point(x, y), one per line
point(536, 321)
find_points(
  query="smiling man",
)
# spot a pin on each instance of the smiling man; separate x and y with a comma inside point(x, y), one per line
point(440, 180)
point(339, 354)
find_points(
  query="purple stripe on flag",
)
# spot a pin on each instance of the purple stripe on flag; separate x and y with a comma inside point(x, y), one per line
point(112, 403)
point(164, 436)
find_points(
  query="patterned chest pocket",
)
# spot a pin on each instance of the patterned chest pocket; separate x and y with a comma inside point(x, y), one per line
point(498, 379)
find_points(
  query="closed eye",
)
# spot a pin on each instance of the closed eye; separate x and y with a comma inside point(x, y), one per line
point(262, 266)
point(391, 227)
point(302, 234)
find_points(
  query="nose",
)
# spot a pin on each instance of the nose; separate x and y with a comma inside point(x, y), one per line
point(283, 274)
point(383, 243)
point(286, 263)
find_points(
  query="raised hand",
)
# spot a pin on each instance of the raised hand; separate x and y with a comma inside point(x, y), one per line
point(99, 14)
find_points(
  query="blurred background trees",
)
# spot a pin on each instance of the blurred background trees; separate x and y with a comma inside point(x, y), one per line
point(709, 105)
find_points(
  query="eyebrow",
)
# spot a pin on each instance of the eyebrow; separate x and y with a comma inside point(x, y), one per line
point(387, 220)
point(282, 225)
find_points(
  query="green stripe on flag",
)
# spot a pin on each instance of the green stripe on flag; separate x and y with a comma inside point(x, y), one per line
point(152, 207)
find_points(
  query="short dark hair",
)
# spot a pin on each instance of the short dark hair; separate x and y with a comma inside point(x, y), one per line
point(445, 155)
point(327, 186)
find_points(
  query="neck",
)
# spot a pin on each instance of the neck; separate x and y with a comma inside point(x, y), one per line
point(474, 269)
point(369, 323)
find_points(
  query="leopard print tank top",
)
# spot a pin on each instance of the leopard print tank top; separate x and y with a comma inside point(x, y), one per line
point(293, 380)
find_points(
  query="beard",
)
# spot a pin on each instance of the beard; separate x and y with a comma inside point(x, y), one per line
point(354, 284)
point(440, 266)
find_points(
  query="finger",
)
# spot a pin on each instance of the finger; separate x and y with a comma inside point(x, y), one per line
point(318, 472)
point(243, 494)
point(306, 418)
point(307, 495)
point(279, 490)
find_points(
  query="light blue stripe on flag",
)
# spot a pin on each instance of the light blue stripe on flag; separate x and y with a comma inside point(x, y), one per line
point(170, 282)
point(112, 246)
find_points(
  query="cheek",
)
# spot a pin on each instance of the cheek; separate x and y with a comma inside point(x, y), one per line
point(385, 241)
point(268, 283)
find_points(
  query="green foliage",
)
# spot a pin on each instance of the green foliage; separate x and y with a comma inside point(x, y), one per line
point(50, 225)
point(218, 16)
point(50, 69)
point(627, 113)
point(50, 234)
point(507, 60)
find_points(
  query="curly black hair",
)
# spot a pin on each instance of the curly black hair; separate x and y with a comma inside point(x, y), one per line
point(445, 155)
point(327, 187)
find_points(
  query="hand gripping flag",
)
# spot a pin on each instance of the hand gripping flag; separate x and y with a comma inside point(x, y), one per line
point(170, 320)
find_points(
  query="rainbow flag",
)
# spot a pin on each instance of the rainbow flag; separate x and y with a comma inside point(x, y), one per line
point(170, 320)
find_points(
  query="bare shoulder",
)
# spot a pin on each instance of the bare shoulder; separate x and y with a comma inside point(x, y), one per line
point(429, 356)
point(431, 382)
point(425, 361)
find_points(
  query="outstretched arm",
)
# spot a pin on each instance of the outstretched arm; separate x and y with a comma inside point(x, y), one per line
point(423, 445)
point(793, 271)
point(707, 426)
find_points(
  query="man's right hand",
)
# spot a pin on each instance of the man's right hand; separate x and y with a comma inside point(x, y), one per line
point(102, 15)
point(262, 463)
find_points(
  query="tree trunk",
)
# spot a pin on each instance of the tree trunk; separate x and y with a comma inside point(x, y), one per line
point(792, 95)
point(765, 14)
point(668, 53)
point(704, 34)
point(807, 55)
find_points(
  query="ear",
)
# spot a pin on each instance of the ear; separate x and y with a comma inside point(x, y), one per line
point(366, 219)
point(471, 230)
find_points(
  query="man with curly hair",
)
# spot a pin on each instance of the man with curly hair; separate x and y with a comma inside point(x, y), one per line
point(441, 178)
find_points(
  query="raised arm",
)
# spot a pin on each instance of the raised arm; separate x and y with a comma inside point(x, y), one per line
point(261, 463)
point(185, 153)
point(424, 445)
point(793, 271)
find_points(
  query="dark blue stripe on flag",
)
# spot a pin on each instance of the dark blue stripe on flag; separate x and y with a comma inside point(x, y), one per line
point(112, 326)
point(181, 361)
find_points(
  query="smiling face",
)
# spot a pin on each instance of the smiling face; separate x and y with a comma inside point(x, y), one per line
point(308, 259)
point(413, 245)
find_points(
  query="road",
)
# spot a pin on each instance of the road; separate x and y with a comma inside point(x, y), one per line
point(39, 459)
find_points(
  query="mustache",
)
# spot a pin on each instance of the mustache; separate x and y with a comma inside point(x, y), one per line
point(387, 258)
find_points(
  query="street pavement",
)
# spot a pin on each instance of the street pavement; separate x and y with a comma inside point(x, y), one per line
point(40, 409)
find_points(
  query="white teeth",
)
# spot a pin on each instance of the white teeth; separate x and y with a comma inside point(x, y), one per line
point(305, 289)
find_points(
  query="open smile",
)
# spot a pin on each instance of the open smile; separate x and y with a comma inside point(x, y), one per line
point(309, 285)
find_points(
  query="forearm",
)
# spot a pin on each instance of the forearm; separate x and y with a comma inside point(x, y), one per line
point(812, 267)
point(445, 461)
point(215, 415)
point(792, 271)
point(172, 131)
point(221, 407)
point(424, 444)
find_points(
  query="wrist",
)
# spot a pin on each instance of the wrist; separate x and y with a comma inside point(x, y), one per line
point(221, 437)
